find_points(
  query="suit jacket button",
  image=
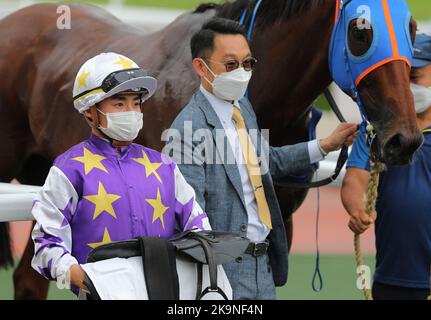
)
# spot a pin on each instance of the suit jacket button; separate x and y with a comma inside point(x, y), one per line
point(239, 259)
point(243, 227)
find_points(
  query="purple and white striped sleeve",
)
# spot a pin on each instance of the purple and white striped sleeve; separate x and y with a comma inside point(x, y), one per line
point(190, 215)
point(53, 209)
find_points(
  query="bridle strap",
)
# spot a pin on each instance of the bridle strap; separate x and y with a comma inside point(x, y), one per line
point(342, 159)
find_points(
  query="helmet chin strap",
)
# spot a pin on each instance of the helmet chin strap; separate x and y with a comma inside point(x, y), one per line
point(95, 125)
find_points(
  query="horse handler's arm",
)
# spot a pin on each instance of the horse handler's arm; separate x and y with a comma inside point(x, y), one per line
point(353, 195)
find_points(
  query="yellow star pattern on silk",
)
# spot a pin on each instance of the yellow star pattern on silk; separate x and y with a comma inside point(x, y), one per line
point(106, 239)
point(82, 79)
point(159, 208)
point(150, 167)
point(103, 202)
point(91, 161)
point(125, 63)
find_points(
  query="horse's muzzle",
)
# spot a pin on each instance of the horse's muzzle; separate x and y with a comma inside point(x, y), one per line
point(400, 149)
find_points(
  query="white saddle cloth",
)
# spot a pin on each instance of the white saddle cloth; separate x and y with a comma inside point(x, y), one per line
point(123, 279)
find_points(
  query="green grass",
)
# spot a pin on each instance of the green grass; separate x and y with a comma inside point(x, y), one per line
point(339, 278)
point(6, 289)
point(421, 9)
point(179, 4)
point(338, 274)
point(168, 4)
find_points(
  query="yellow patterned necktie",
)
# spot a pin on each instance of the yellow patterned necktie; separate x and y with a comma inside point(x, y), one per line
point(253, 168)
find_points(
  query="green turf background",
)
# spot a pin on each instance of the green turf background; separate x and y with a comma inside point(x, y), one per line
point(338, 275)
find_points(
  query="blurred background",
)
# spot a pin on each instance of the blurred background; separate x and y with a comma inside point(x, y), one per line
point(335, 240)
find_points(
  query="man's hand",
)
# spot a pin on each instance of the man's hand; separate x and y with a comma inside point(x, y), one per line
point(77, 275)
point(361, 221)
point(344, 135)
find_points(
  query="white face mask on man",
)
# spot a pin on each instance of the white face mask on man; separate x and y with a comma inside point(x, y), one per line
point(230, 86)
point(122, 126)
point(422, 97)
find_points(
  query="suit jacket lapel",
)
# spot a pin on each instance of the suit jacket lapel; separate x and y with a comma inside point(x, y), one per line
point(213, 120)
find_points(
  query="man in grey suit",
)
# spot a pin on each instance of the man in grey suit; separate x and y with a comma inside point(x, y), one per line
point(238, 195)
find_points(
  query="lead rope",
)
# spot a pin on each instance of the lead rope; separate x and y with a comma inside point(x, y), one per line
point(370, 206)
point(373, 182)
point(429, 298)
point(317, 280)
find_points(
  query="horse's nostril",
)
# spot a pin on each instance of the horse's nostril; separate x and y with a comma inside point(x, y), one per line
point(394, 145)
point(410, 146)
point(400, 148)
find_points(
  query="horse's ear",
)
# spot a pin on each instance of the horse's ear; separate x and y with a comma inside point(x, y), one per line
point(205, 6)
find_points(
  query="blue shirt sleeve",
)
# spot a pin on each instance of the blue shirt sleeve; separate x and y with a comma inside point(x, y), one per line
point(359, 156)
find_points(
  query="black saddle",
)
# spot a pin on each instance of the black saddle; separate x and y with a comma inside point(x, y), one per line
point(212, 248)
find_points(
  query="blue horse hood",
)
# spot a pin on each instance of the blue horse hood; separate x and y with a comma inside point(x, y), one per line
point(390, 21)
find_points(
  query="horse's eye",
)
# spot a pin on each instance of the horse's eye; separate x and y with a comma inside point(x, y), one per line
point(360, 37)
point(413, 29)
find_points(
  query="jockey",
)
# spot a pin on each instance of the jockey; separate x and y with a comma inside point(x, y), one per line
point(107, 188)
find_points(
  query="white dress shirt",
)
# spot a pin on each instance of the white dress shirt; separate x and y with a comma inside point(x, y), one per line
point(256, 231)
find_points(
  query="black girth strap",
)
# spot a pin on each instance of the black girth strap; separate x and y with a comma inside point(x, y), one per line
point(212, 248)
point(93, 295)
point(158, 258)
point(200, 279)
point(212, 267)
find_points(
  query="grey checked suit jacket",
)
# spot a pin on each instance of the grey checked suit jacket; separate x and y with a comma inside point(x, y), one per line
point(218, 187)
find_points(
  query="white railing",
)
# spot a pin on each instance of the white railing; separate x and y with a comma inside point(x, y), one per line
point(147, 18)
point(16, 200)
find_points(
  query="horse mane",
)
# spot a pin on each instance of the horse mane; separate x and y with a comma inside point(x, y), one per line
point(269, 11)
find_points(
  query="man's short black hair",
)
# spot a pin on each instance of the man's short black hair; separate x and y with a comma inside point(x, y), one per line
point(202, 43)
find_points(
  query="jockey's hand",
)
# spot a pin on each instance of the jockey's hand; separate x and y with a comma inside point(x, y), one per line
point(343, 135)
point(361, 221)
point(77, 275)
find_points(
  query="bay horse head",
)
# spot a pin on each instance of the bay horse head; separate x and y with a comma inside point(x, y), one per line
point(370, 59)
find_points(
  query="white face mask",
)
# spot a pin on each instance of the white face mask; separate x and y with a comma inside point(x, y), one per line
point(123, 126)
point(230, 86)
point(422, 97)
